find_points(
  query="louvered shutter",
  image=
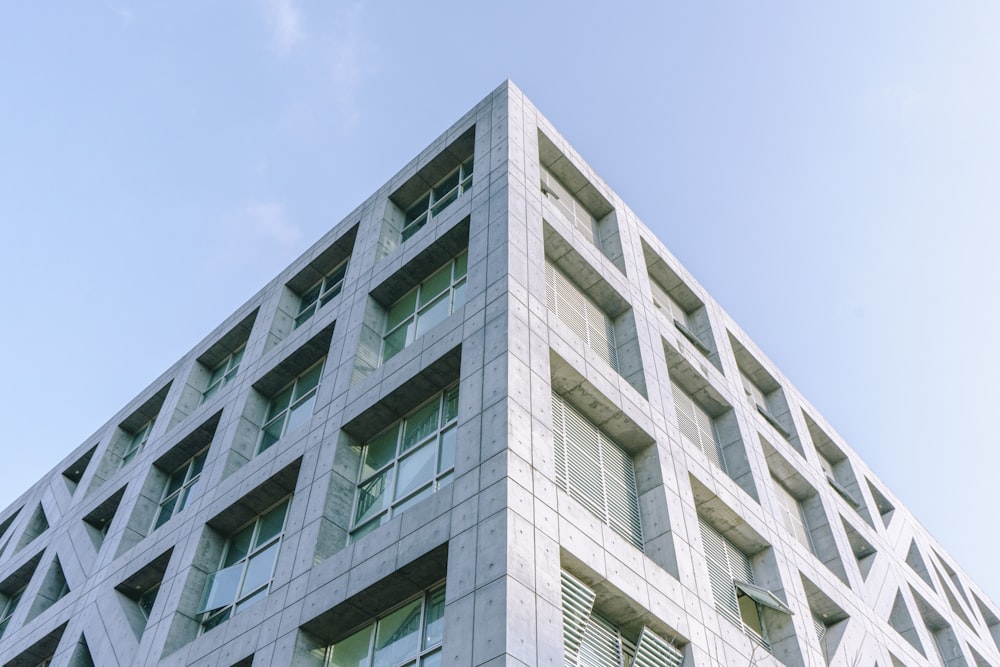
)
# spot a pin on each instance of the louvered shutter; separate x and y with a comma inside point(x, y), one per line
point(653, 650)
point(595, 471)
point(697, 426)
point(600, 646)
point(580, 314)
point(820, 627)
point(577, 603)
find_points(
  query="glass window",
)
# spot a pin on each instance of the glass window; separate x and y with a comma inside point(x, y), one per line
point(146, 601)
point(247, 567)
point(321, 293)
point(291, 406)
point(137, 442)
point(421, 308)
point(570, 207)
point(409, 635)
point(182, 487)
point(407, 462)
point(595, 471)
point(579, 313)
point(223, 373)
point(443, 194)
point(8, 609)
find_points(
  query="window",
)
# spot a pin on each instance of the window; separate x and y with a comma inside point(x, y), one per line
point(407, 462)
point(759, 400)
point(570, 207)
point(146, 601)
point(223, 372)
point(595, 471)
point(792, 514)
point(438, 198)
point(138, 440)
point(244, 576)
point(428, 303)
point(181, 488)
point(320, 293)
point(676, 314)
point(576, 310)
point(409, 635)
point(737, 598)
point(8, 609)
point(291, 407)
point(590, 640)
point(697, 426)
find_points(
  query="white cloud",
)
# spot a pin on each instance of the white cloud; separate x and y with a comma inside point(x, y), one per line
point(285, 21)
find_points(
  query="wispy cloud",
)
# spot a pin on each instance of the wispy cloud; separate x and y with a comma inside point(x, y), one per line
point(285, 22)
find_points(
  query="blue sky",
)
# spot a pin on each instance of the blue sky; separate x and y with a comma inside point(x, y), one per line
point(829, 173)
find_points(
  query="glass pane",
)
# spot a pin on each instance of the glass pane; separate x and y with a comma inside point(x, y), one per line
point(419, 208)
point(398, 635)
point(259, 569)
point(439, 281)
point(271, 524)
point(239, 546)
point(371, 497)
point(458, 296)
point(414, 499)
point(271, 433)
point(415, 470)
point(307, 381)
point(220, 589)
point(400, 310)
point(447, 185)
point(445, 202)
point(420, 425)
point(353, 651)
point(146, 601)
point(256, 597)
point(309, 297)
point(217, 374)
point(415, 226)
point(279, 403)
point(301, 413)
point(447, 459)
point(432, 660)
point(397, 340)
point(198, 464)
point(304, 315)
point(186, 494)
point(450, 405)
point(433, 314)
point(216, 620)
point(166, 511)
point(237, 357)
point(176, 481)
point(434, 619)
point(379, 451)
point(461, 265)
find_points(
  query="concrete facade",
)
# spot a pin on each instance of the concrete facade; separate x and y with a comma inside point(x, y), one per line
point(566, 317)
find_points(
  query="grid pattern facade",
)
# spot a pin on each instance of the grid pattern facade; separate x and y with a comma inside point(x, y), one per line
point(534, 464)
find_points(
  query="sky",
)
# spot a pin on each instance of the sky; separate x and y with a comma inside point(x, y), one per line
point(829, 172)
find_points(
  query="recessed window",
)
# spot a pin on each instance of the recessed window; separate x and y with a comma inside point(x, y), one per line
point(407, 462)
point(438, 198)
point(182, 487)
point(595, 471)
point(137, 441)
point(409, 635)
point(291, 406)
point(570, 207)
point(737, 597)
point(321, 293)
point(425, 305)
point(793, 514)
point(578, 312)
point(244, 575)
point(9, 607)
point(223, 372)
point(697, 426)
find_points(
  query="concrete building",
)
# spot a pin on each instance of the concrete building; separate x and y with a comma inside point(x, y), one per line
point(487, 419)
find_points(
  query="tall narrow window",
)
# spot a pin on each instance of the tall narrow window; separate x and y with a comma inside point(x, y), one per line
point(223, 372)
point(407, 462)
point(182, 487)
point(248, 561)
point(590, 640)
point(697, 426)
point(425, 305)
point(594, 470)
point(570, 207)
point(438, 198)
point(137, 442)
point(292, 406)
point(580, 314)
point(8, 609)
point(410, 636)
point(792, 514)
point(321, 292)
point(737, 598)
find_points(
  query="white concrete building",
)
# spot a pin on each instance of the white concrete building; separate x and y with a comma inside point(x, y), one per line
point(488, 419)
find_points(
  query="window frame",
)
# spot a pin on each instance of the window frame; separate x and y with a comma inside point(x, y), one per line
point(581, 314)
point(293, 405)
point(574, 212)
point(455, 292)
point(391, 503)
point(210, 617)
point(137, 442)
point(431, 203)
point(696, 418)
point(794, 515)
point(223, 372)
point(321, 293)
point(183, 493)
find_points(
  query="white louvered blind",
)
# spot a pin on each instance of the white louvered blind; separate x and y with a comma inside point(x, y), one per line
point(727, 565)
point(595, 471)
point(570, 207)
point(577, 603)
point(579, 313)
point(697, 427)
point(792, 514)
point(755, 394)
point(652, 650)
point(820, 627)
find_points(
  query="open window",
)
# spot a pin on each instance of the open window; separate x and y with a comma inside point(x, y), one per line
point(765, 394)
point(838, 470)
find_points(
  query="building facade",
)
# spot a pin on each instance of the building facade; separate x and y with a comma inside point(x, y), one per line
point(488, 419)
